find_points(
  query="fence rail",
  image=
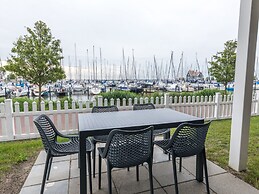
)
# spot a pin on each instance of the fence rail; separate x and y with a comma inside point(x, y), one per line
point(17, 124)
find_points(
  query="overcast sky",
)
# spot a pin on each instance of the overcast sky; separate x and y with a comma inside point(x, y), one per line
point(147, 26)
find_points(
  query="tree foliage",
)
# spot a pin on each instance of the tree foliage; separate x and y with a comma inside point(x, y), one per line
point(223, 63)
point(36, 56)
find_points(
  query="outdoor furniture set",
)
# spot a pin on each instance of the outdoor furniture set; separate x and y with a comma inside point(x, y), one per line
point(129, 140)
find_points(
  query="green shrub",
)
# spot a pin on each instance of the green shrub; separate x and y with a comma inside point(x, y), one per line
point(206, 92)
point(21, 101)
point(119, 94)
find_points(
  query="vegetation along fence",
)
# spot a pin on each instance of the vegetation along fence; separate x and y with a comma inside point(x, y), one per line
point(16, 120)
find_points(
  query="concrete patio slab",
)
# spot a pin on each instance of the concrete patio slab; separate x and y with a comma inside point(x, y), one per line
point(156, 191)
point(64, 178)
point(230, 184)
point(163, 172)
point(126, 182)
point(74, 186)
point(58, 187)
point(159, 156)
point(189, 163)
point(193, 187)
point(74, 170)
point(59, 171)
point(41, 159)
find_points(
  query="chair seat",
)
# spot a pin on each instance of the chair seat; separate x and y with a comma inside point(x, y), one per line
point(100, 138)
point(70, 147)
point(162, 144)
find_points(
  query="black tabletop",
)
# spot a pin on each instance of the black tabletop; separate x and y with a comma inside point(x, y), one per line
point(100, 123)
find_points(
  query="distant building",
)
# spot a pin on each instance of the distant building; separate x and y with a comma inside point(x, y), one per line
point(194, 76)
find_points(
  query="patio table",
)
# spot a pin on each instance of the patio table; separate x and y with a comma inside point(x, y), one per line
point(91, 124)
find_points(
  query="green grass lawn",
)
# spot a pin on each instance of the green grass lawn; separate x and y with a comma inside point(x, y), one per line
point(217, 145)
point(15, 152)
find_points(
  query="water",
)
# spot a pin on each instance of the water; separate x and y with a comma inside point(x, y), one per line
point(75, 96)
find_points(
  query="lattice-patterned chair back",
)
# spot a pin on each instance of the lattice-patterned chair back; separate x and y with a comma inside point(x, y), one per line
point(143, 106)
point(189, 139)
point(47, 130)
point(100, 109)
point(129, 148)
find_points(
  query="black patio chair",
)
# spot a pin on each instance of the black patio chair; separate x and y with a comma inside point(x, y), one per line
point(127, 149)
point(100, 138)
point(164, 132)
point(49, 134)
point(188, 140)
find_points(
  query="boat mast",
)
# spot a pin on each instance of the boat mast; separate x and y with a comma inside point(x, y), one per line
point(134, 66)
point(75, 62)
point(197, 62)
point(88, 65)
point(171, 65)
point(124, 65)
point(156, 71)
point(180, 68)
point(94, 78)
point(80, 70)
point(69, 68)
point(101, 64)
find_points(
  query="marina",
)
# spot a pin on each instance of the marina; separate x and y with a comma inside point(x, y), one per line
point(86, 90)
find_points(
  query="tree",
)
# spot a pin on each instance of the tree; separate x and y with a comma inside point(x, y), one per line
point(36, 57)
point(223, 63)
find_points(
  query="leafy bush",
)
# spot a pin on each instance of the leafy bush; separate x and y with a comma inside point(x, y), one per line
point(206, 92)
point(119, 94)
point(21, 101)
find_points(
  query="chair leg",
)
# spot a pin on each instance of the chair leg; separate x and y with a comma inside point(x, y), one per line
point(45, 173)
point(175, 174)
point(180, 164)
point(89, 171)
point(100, 172)
point(94, 156)
point(49, 167)
point(127, 168)
point(206, 171)
point(109, 176)
point(137, 172)
point(151, 176)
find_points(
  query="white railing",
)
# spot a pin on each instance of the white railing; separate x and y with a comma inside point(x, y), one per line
point(17, 124)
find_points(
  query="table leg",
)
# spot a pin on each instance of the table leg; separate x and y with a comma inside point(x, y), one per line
point(166, 136)
point(82, 158)
point(199, 167)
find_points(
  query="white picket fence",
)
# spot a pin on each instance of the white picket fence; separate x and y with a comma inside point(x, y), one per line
point(16, 124)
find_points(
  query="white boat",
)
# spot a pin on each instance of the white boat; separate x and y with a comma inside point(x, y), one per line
point(95, 90)
point(123, 86)
point(23, 92)
point(172, 87)
point(78, 88)
point(2, 92)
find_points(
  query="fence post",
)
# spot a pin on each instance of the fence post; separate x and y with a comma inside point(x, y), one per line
point(130, 102)
point(217, 105)
point(100, 101)
point(9, 119)
point(118, 102)
point(166, 100)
